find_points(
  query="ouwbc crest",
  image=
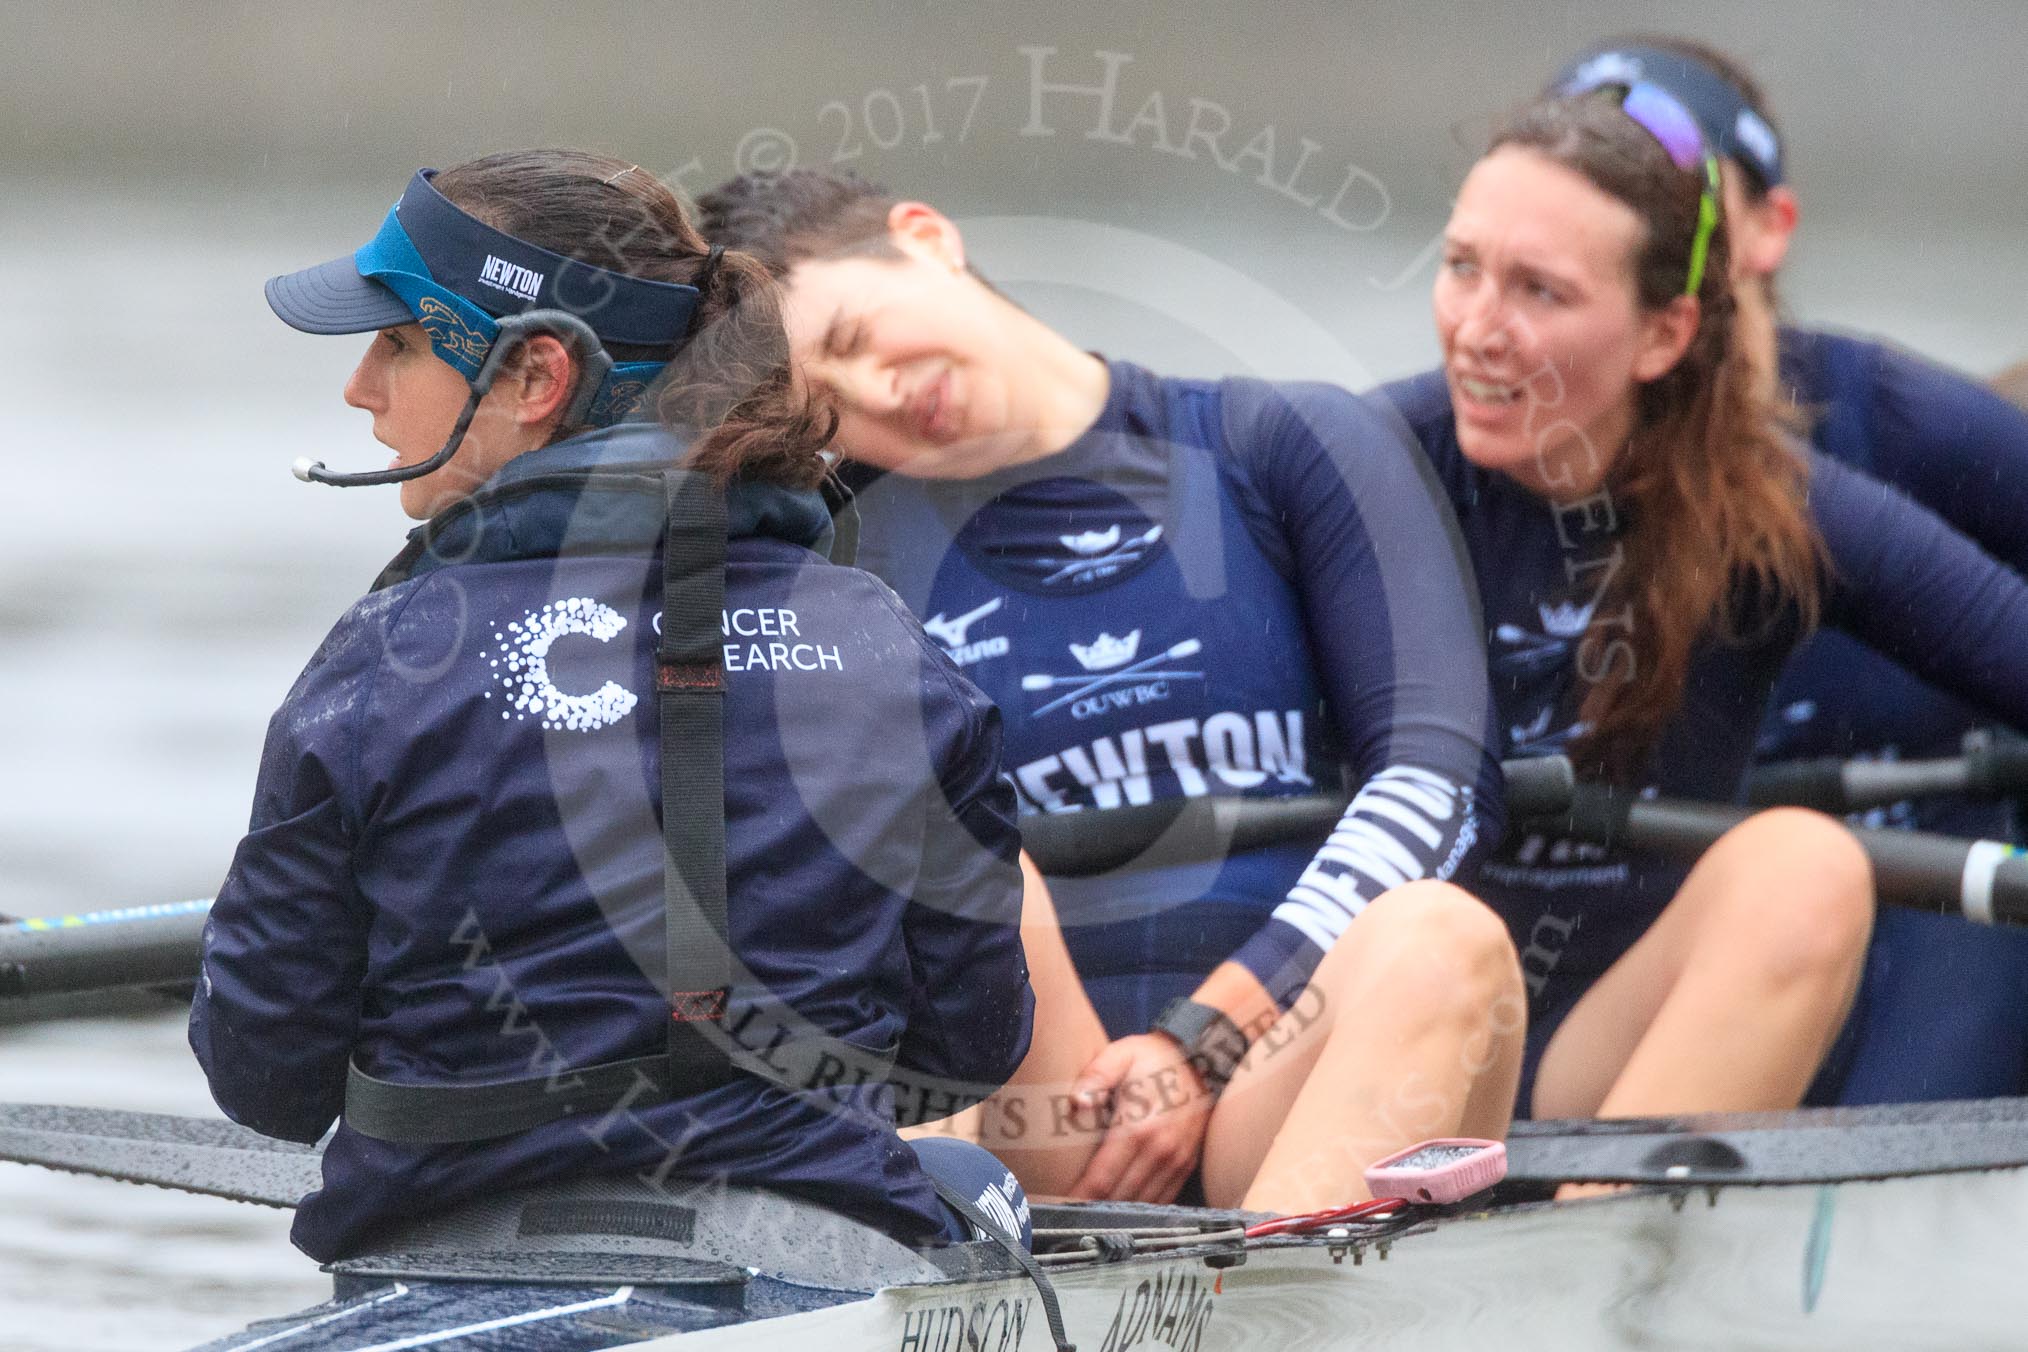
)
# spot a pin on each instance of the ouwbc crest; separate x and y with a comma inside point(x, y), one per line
point(1092, 541)
point(1106, 652)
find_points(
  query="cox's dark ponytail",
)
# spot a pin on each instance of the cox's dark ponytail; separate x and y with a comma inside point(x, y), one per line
point(729, 386)
point(732, 380)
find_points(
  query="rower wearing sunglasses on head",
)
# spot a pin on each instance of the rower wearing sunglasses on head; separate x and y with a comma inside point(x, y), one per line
point(615, 834)
point(1943, 1011)
point(1651, 542)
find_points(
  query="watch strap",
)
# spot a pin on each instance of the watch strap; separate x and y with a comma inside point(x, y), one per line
point(1213, 1043)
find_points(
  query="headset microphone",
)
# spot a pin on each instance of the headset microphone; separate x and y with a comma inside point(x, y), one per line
point(595, 364)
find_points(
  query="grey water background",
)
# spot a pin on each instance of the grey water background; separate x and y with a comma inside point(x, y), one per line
point(162, 578)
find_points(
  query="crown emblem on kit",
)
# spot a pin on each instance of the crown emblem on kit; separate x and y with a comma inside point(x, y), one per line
point(1092, 541)
point(1106, 652)
point(1564, 620)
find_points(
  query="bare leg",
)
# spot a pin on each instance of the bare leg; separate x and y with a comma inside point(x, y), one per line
point(1732, 997)
point(968, 1125)
point(1027, 1123)
point(1411, 1028)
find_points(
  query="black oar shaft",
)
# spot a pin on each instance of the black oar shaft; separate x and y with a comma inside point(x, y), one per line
point(1992, 766)
point(1172, 831)
point(1986, 881)
point(1181, 830)
point(104, 950)
point(1834, 785)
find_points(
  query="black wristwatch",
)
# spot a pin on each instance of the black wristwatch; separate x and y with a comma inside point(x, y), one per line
point(1212, 1041)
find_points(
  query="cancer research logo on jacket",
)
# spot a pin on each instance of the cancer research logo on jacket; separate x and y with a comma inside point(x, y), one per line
point(522, 666)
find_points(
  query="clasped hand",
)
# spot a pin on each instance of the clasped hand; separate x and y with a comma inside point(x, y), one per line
point(1144, 1094)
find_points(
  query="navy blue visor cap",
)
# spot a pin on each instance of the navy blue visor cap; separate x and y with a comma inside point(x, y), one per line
point(432, 263)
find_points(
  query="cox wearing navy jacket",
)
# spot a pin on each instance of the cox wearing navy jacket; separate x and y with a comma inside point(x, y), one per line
point(454, 857)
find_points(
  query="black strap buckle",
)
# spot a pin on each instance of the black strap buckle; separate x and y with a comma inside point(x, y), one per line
point(706, 677)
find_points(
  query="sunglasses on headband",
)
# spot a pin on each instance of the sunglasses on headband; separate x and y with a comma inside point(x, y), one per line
point(1663, 116)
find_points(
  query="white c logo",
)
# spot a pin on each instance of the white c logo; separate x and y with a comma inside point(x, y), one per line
point(523, 667)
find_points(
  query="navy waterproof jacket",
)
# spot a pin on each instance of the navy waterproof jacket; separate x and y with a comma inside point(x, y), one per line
point(454, 865)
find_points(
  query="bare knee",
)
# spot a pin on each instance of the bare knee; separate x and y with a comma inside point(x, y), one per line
point(1429, 944)
point(1441, 915)
point(1797, 895)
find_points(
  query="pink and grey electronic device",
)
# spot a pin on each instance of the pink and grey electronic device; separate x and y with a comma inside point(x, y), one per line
point(1446, 1170)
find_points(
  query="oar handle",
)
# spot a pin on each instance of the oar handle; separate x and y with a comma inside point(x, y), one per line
point(1991, 767)
point(1985, 881)
point(1184, 830)
point(101, 950)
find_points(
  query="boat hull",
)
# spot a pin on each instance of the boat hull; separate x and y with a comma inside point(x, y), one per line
point(1910, 1263)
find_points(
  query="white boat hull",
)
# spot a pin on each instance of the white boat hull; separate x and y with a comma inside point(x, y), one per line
point(1923, 1262)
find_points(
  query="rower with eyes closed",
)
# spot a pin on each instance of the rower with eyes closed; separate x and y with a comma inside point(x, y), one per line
point(1174, 589)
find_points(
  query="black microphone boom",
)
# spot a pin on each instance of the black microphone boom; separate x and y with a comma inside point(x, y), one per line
point(594, 365)
point(313, 471)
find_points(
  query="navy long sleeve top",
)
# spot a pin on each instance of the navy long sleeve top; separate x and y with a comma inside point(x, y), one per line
point(1961, 451)
point(1230, 588)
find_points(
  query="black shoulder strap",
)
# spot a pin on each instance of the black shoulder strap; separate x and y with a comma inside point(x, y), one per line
point(986, 1228)
point(690, 683)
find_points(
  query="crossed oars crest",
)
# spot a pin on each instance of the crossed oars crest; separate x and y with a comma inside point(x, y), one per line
point(1084, 682)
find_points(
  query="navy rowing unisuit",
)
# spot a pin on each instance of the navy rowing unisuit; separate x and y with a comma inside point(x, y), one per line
point(1902, 581)
point(454, 870)
point(1943, 1009)
point(1228, 588)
